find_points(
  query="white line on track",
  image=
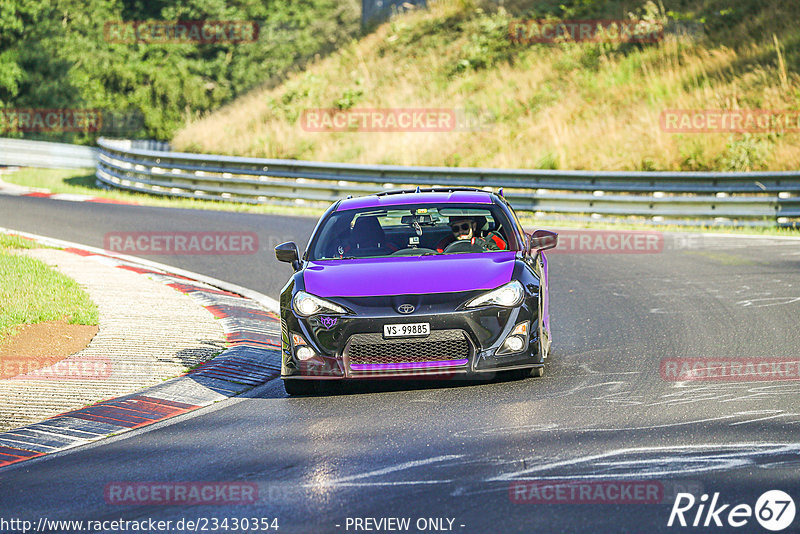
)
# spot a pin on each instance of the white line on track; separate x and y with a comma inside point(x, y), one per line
point(675, 460)
point(392, 469)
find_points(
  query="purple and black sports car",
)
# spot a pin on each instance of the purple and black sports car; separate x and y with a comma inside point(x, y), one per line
point(414, 283)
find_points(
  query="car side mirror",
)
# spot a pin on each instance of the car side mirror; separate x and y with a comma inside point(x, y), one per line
point(542, 240)
point(287, 252)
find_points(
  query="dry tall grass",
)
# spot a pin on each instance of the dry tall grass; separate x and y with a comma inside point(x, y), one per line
point(566, 106)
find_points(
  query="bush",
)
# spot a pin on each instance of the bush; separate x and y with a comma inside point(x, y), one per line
point(55, 55)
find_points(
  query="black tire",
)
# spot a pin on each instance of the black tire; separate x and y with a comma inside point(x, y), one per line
point(544, 340)
point(299, 387)
point(540, 354)
point(523, 374)
point(536, 372)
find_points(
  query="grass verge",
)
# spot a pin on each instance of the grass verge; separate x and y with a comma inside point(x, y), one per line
point(32, 292)
point(81, 182)
point(8, 242)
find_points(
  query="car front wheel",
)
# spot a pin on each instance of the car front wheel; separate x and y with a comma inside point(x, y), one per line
point(299, 387)
point(540, 354)
point(536, 372)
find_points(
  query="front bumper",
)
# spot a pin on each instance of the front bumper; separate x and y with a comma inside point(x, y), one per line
point(462, 342)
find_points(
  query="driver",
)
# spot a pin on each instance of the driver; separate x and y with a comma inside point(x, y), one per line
point(464, 229)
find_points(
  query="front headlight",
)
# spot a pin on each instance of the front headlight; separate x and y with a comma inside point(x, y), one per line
point(306, 304)
point(507, 295)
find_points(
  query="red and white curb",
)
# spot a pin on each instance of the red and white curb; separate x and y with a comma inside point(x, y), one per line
point(252, 329)
point(15, 190)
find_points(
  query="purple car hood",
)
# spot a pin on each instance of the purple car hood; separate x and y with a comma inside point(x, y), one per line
point(409, 275)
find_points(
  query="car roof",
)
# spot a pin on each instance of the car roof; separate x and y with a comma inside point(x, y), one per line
point(400, 198)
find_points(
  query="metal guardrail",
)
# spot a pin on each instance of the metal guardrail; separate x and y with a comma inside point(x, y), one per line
point(24, 153)
point(758, 198)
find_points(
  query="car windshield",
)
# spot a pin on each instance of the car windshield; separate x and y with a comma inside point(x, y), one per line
point(412, 230)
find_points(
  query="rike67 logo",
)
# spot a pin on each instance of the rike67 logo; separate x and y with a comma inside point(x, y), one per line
point(774, 511)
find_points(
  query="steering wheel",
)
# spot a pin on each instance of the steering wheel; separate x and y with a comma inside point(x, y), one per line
point(413, 252)
point(464, 246)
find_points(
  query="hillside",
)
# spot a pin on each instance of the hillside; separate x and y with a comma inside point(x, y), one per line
point(552, 105)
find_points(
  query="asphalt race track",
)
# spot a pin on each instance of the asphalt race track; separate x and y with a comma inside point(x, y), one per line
point(453, 450)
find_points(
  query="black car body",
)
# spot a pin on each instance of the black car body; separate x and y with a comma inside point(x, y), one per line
point(373, 296)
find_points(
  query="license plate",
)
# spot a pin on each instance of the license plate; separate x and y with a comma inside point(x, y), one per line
point(406, 330)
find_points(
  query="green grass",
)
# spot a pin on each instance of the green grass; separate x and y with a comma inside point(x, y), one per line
point(14, 241)
point(81, 182)
point(32, 292)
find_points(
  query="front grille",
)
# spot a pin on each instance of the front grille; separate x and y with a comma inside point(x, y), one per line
point(440, 345)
